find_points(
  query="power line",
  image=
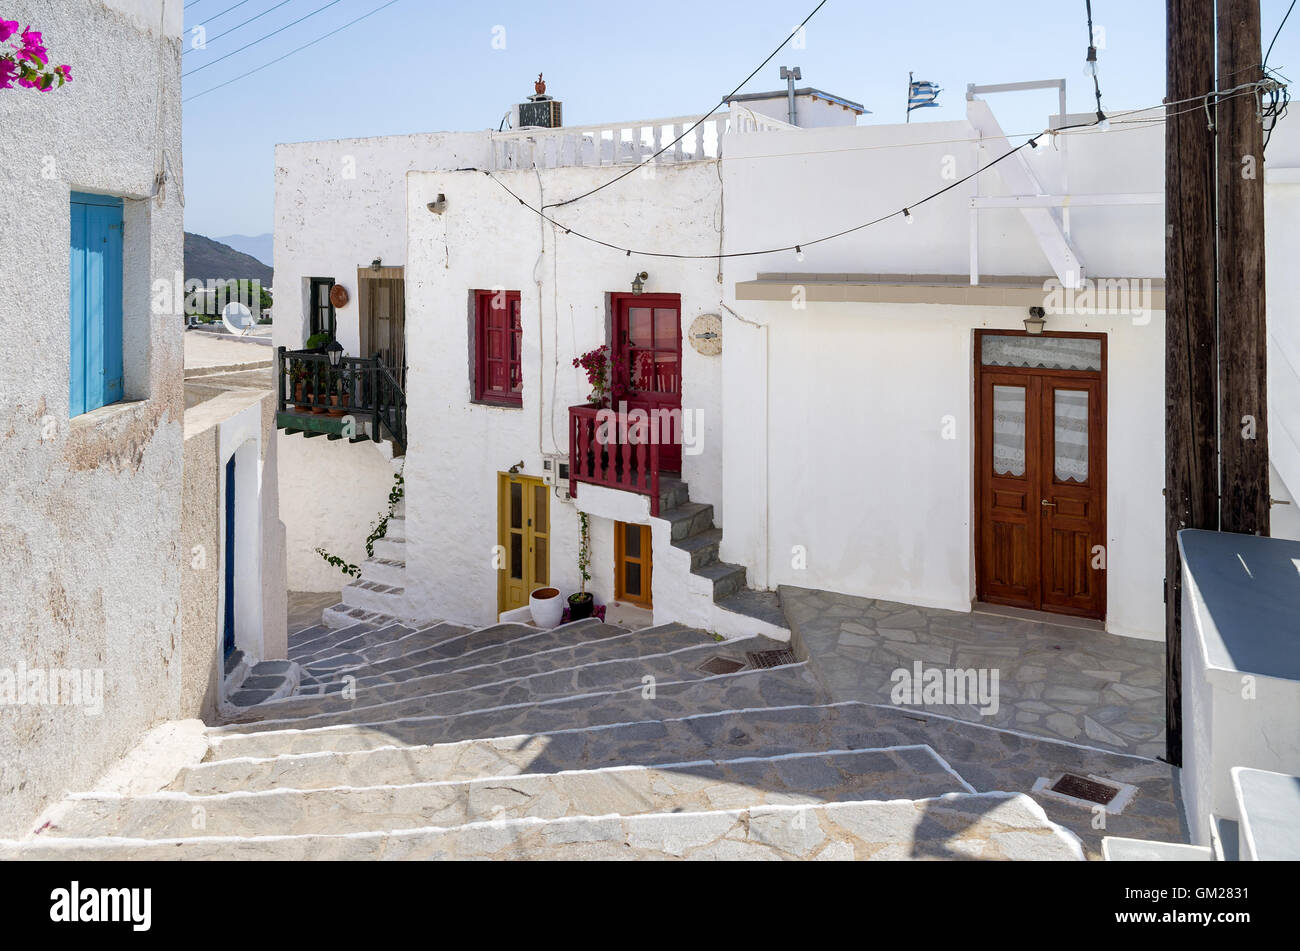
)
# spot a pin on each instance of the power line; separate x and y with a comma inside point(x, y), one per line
point(264, 38)
point(218, 16)
point(320, 39)
point(1278, 33)
point(243, 24)
point(702, 119)
point(906, 212)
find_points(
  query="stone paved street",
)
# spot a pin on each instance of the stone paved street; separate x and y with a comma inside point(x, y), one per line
point(1057, 681)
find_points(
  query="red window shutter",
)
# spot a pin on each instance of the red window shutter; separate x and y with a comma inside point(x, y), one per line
point(498, 376)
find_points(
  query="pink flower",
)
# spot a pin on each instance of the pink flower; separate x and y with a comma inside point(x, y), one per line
point(7, 73)
point(33, 47)
point(66, 70)
point(7, 29)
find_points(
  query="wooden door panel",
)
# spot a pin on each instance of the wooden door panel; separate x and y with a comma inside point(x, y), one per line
point(647, 359)
point(1041, 521)
point(524, 517)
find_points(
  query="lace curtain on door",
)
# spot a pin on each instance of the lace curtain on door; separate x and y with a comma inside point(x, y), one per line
point(1009, 430)
point(1071, 442)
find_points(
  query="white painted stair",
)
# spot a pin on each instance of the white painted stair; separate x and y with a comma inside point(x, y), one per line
point(584, 742)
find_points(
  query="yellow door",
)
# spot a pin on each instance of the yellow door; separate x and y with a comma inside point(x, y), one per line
point(524, 520)
point(632, 567)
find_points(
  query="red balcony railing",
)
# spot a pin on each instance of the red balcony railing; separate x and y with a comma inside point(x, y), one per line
point(612, 455)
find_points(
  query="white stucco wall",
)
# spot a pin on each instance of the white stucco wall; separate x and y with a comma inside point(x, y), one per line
point(89, 508)
point(835, 413)
point(457, 448)
point(1282, 250)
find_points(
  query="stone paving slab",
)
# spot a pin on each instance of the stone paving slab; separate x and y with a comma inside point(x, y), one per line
point(784, 686)
point(987, 758)
point(1057, 681)
point(809, 778)
point(959, 826)
point(430, 679)
point(460, 693)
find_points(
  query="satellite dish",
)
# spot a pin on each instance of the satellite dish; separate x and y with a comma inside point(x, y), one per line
point(238, 318)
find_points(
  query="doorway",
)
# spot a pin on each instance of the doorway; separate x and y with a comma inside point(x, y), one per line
point(647, 360)
point(632, 564)
point(382, 303)
point(228, 594)
point(524, 534)
point(1040, 482)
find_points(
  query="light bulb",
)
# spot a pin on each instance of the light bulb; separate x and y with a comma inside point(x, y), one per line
point(907, 216)
point(798, 253)
point(1089, 70)
point(1102, 122)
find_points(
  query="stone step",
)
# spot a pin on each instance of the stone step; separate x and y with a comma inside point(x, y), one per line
point(348, 640)
point(342, 616)
point(391, 549)
point(465, 693)
point(702, 547)
point(691, 518)
point(468, 670)
point(760, 605)
point(376, 598)
point(672, 493)
point(785, 686)
point(388, 643)
point(459, 677)
point(962, 825)
point(727, 579)
point(385, 571)
point(499, 642)
point(808, 778)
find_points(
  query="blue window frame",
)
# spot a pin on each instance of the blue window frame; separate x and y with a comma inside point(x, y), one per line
point(95, 268)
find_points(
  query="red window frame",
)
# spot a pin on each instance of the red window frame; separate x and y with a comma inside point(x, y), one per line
point(498, 346)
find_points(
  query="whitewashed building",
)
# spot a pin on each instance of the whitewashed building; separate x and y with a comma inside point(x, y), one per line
point(870, 414)
point(91, 439)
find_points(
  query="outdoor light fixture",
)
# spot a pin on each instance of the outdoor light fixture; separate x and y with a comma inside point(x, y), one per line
point(376, 264)
point(439, 206)
point(798, 253)
point(907, 216)
point(638, 282)
point(517, 468)
point(1036, 321)
point(335, 352)
point(1102, 122)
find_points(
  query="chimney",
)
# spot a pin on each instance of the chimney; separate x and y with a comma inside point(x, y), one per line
point(540, 111)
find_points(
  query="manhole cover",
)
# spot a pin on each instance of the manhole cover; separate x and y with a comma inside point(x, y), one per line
point(721, 665)
point(762, 660)
point(1087, 789)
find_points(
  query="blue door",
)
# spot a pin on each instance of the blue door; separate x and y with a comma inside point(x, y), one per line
point(95, 267)
point(228, 638)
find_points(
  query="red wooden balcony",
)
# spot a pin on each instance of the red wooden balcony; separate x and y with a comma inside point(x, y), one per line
point(615, 456)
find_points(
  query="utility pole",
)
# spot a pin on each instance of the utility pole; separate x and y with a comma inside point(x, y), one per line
point(1243, 341)
point(1191, 353)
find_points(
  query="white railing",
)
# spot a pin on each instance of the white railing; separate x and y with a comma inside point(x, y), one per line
point(626, 143)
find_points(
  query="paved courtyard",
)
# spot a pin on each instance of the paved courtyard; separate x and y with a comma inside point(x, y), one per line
point(1054, 680)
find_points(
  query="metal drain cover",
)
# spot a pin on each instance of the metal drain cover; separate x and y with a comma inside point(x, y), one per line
point(1087, 789)
point(761, 660)
point(720, 665)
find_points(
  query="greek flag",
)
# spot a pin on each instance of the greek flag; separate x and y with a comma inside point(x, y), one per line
point(921, 95)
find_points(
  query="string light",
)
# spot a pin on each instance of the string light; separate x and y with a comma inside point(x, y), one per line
point(798, 253)
point(907, 216)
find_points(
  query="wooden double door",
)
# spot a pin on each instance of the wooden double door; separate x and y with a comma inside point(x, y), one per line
point(1041, 472)
point(524, 534)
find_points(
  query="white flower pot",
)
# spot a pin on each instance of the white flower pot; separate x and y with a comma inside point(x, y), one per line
point(547, 607)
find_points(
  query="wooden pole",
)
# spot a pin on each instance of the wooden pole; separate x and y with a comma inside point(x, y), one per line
point(1243, 342)
point(1191, 432)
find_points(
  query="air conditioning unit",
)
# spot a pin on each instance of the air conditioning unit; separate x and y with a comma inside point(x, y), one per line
point(541, 111)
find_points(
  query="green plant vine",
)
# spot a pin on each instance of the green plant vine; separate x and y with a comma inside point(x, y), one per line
point(378, 530)
point(584, 550)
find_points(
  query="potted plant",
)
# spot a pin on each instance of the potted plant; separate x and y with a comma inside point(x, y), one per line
point(340, 394)
point(582, 603)
point(547, 607)
point(298, 380)
point(596, 365)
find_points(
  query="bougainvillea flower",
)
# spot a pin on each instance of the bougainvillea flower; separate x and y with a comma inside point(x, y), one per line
point(66, 70)
point(7, 29)
point(7, 73)
point(33, 48)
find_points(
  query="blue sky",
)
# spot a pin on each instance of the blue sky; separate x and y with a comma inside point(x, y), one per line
point(429, 65)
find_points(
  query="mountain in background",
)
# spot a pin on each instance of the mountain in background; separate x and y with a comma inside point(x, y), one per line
point(207, 260)
point(260, 246)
